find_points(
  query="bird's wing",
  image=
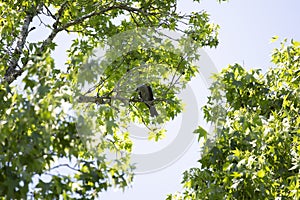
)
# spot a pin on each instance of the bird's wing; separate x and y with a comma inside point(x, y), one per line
point(150, 93)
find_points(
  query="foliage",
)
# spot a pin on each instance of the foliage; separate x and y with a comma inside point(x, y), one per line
point(37, 131)
point(256, 154)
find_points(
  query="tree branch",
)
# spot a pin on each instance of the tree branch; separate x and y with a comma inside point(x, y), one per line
point(12, 73)
point(102, 11)
point(107, 99)
point(49, 13)
point(64, 165)
point(90, 99)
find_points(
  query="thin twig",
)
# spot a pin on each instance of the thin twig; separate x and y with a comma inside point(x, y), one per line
point(49, 13)
point(63, 165)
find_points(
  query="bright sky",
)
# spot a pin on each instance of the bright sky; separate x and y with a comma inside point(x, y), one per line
point(246, 28)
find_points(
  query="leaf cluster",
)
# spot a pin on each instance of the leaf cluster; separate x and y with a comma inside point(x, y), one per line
point(39, 135)
point(256, 154)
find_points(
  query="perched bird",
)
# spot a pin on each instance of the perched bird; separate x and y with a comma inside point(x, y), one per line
point(146, 94)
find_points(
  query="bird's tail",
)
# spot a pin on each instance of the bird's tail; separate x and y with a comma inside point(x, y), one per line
point(153, 111)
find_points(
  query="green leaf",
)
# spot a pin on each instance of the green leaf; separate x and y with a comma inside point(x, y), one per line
point(236, 175)
point(201, 133)
point(261, 173)
point(30, 83)
point(274, 39)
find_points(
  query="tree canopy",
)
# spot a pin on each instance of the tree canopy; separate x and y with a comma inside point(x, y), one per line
point(38, 133)
point(59, 124)
point(256, 153)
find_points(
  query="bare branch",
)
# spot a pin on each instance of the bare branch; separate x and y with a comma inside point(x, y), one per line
point(12, 73)
point(41, 21)
point(49, 13)
point(64, 165)
point(90, 99)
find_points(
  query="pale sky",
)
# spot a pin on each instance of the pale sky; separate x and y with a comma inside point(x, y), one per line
point(246, 27)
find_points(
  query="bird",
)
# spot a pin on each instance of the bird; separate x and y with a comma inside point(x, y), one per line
point(146, 94)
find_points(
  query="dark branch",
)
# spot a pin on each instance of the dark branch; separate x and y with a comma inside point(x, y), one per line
point(49, 13)
point(59, 14)
point(64, 165)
